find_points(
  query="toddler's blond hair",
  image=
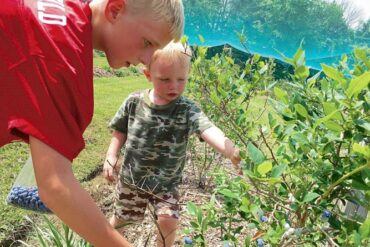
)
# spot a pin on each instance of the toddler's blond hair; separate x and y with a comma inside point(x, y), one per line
point(168, 11)
point(174, 52)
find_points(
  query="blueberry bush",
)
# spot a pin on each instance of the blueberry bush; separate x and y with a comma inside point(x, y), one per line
point(305, 152)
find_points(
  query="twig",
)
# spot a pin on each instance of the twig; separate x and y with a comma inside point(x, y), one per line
point(358, 169)
point(153, 195)
point(331, 241)
point(155, 220)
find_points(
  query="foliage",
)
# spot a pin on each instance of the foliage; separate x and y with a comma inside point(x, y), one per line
point(301, 166)
point(52, 236)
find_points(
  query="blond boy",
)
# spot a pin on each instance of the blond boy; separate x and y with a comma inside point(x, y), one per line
point(155, 125)
point(46, 96)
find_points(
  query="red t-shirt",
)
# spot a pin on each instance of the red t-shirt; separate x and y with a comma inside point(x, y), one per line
point(46, 79)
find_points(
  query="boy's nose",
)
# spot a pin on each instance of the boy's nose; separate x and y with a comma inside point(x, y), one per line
point(146, 56)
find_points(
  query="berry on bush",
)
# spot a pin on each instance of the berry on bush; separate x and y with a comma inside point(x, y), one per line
point(188, 240)
point(263, 219)
point(260, 242)
point(27, 198)
point(326, 214)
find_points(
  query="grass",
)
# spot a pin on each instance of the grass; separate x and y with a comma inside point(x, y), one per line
point(101, 62)
point(109, 95)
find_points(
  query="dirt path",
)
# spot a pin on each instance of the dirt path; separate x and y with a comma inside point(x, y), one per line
point(144, 234)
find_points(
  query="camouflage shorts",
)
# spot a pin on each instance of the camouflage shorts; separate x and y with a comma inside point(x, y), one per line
point(130, 203)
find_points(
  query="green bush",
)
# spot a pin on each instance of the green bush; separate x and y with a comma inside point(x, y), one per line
point(304, 152)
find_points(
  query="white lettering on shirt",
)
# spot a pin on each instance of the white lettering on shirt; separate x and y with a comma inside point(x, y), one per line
point(48, 12)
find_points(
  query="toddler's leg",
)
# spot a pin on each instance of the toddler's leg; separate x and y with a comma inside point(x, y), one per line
point(168, 211)
point(167, 231)
point(129, 206)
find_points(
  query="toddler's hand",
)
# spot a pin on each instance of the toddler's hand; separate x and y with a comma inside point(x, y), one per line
point(235, 159)
point(110, 171)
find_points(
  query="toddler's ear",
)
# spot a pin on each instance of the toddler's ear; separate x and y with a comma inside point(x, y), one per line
point(147, 73)
point(113, 8)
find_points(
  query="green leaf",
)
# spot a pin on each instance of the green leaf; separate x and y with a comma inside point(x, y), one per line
point(365, 228)
point(360, 54)
point(264, 168)
point(263, 69)
point(365, 175)
point(363, 124)
point(301, 110)
point(194, 225)
point(357, 239)
point(184, 40)
point(41, 238)
point(201, 38)
point(300, 138)
point(333, 74)
point(310, 196)
point(358, 184)
point(199, 217)
point(245, 202)
point(312, 80)
point(255, 154)
point(56, 237)
point(278, 170)
point(333, 126)
point(272, 120)
point(273, 181)
point(365, 150)
point(204, 225)
point(330, 107)
point(281, 95)
point(228, 193)
point(324, 119)
point(357, 84)
point(256, 57)
point(214, 97)
point(299, 57)
point(302, 72)
point(192, 208)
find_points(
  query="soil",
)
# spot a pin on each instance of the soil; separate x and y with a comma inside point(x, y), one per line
point(144, 234)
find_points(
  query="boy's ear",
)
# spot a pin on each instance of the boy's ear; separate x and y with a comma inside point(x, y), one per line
point(147, 73)
point(113, 8)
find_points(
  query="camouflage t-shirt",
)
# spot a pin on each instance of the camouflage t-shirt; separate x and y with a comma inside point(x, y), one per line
point(157, 136)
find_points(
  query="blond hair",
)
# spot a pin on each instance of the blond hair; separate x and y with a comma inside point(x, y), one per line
point(173, 52)
point(168, 11)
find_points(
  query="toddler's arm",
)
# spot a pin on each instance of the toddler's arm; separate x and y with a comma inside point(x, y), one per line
point(110, 163)
point(216, 139)
point(63, 194)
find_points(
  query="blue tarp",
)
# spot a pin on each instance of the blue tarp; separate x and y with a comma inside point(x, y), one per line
point(276, 27)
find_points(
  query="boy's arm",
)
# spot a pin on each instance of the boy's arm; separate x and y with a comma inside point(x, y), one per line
point(63, 194)
point(216, 139)
point(111, 159)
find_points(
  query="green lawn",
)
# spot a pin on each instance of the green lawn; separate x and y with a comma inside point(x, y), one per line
point(101, 62)
point(109, 95)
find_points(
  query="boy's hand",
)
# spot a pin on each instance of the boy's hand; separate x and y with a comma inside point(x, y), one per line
point(110, 170)
point(235, 159)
